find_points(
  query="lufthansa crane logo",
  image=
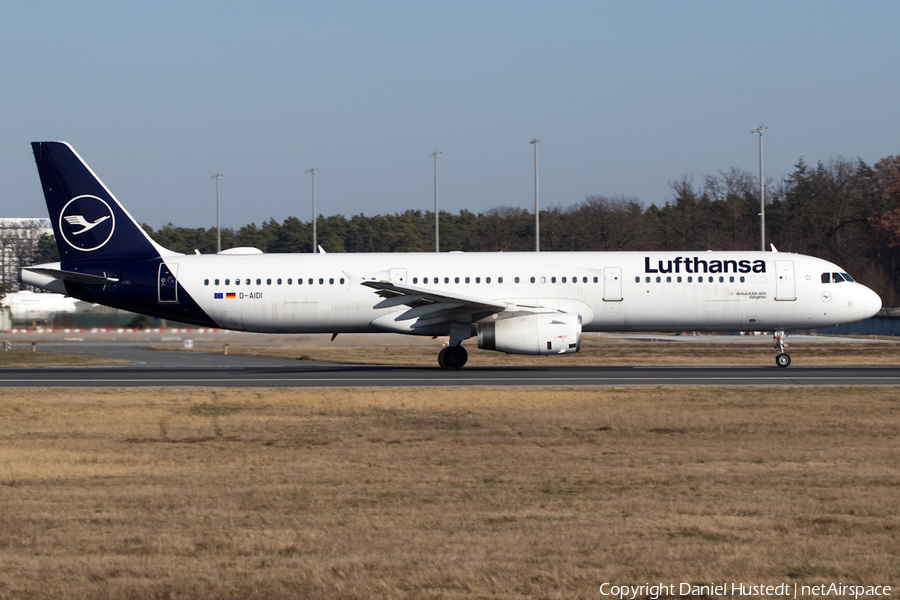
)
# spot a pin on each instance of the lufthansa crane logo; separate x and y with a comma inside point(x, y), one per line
point(87, 223)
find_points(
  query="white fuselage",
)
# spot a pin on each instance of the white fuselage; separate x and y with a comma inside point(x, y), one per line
point(611, 291)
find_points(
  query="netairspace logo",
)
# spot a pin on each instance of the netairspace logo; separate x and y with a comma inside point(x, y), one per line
point(736, 590)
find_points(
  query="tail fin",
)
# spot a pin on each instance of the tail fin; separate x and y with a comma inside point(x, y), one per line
point(88, 221)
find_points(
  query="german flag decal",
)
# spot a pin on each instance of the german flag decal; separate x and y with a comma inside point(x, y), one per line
point(230, 296)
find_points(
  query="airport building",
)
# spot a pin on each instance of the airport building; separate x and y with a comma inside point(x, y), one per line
point(19, 239)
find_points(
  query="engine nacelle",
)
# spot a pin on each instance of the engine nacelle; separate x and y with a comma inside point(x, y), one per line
point(542, 333)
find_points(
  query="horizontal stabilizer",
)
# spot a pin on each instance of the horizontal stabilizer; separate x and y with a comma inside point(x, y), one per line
point(70, 276)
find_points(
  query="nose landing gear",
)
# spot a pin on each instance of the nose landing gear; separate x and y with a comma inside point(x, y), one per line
point(782, 359)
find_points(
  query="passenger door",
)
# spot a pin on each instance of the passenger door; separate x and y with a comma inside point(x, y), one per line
point(168, 284)
point(784, 280)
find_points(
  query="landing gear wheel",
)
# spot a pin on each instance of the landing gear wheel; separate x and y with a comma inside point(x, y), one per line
point(783, 360)
point(453, 357)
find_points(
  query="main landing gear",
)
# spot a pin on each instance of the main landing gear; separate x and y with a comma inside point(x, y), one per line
point(782, 359)
point(453, 357)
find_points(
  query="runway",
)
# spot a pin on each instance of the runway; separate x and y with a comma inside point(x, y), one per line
point(163, 368)
point(310, 374)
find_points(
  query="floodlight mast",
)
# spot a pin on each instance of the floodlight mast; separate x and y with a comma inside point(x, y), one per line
point(217, 177)
point(537, 212)
point(315, 242)
point(437, 218)
point(762, 190)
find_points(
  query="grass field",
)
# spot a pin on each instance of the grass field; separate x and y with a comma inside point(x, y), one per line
point(433, 493)
point(25, 358)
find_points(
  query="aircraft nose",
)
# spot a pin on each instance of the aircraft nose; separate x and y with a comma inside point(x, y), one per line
point(871, 303)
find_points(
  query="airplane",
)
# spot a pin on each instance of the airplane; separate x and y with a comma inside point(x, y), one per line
point(27, 307)
point(513, 302)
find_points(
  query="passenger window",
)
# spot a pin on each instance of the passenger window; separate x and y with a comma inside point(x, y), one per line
point(478, 280)
point(467, 280)
point(342, 281)
point(563, 279)
point(731, 279)
point(636, 280)
point(310, 281)
point(721, 279)
point(456, 280)
point(299, 281)
point(278, 281)
point(331, 281)
point(206, 282)
point(700, 279)
point(247, 282)
point(826, 277)
point(268, 282)
point(321, 281)
point(648, 280)
point(585, 280)
point(487, 279)
point(679, 279)
point(258, 281)
point(290, 281)
point(658, 279)
point(553, 280)
point(415, 280)
point(446, 280)
point(742, 279)
point(217, 282)
point(669, 279)
point(532, 280)
point(499, 280)
point(425, 280)
point(227, 282)
point(237, 282)
point(836, 278)
point(690, 279)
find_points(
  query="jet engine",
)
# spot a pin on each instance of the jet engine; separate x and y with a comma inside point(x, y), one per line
point(541, 333)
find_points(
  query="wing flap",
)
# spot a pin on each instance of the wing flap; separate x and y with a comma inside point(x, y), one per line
point(432, 307)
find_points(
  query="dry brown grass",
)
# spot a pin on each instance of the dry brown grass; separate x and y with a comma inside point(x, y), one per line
point(24, 358)
point(434, 493)
point(594, 351)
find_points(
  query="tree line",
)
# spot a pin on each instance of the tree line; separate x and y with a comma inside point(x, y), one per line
point(841, 210)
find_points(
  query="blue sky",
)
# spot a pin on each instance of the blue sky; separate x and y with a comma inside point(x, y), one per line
point(625, 97)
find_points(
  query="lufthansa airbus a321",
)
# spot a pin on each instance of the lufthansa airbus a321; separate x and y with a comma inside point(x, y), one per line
point(513, 302)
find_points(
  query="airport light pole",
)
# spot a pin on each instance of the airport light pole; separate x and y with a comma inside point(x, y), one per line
point(437, 218)
point(537, 212)
point(315, 244)
point(762, 190)
point(217, 177)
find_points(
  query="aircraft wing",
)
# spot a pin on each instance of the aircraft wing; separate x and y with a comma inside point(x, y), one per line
point(431, 307)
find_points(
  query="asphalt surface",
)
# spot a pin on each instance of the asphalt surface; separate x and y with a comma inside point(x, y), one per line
point(173, 368)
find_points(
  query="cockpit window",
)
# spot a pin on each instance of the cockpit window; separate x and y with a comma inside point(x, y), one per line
point(826, 277)
point(836, 277)
point(846, 277)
